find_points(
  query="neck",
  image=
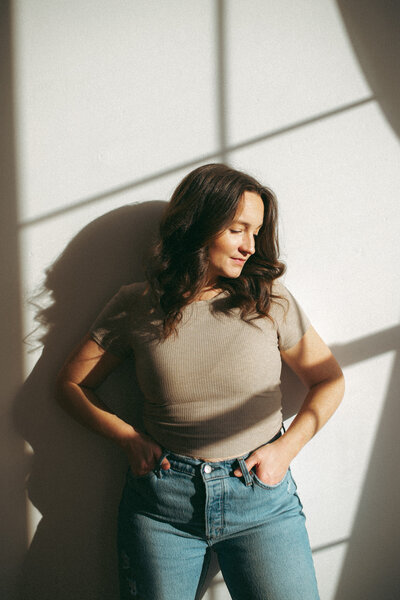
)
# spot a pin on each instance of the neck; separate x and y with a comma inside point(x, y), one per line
point(208, 292)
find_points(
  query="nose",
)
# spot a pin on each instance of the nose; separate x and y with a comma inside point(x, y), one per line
point(248, 244)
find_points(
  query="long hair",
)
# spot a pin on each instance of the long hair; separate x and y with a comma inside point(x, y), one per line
point(202, 206)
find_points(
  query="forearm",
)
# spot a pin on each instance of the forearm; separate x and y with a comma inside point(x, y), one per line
point(86, 408)
point(319, 405)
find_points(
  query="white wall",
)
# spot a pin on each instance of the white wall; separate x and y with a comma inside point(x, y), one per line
point(115, 102)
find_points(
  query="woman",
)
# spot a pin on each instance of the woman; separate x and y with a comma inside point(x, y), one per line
point(210, 466)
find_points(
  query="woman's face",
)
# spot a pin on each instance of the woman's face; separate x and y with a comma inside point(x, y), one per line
point(229, 251)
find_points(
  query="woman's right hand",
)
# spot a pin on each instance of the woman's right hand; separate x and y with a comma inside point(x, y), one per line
point(85, 369)
point(143, 453)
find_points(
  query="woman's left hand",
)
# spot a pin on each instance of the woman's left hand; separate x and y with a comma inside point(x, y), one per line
point(270, 463)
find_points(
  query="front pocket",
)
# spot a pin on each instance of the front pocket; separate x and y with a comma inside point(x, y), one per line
point(154, 471)
point(135, 477)
point(258, 481)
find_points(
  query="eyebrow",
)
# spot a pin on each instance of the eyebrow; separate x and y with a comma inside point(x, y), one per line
point(247, 224)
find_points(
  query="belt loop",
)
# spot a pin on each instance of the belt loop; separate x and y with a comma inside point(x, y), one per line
point(245, 472)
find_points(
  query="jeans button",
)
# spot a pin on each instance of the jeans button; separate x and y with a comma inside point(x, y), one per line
point(207, 469)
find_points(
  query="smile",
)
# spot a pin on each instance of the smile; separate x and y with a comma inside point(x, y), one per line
point(239, 261)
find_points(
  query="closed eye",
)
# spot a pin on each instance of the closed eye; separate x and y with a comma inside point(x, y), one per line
point(241, 231)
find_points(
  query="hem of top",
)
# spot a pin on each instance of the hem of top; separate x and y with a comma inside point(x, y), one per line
point(278, 434)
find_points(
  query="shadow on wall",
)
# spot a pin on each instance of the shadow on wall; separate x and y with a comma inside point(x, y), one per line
point(373, 29)
point(370, 568)
point(12, 457)
point(76, 476)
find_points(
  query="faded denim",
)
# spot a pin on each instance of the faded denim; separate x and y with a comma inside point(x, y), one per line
point(170, 522)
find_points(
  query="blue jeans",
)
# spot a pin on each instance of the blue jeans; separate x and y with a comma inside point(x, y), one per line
point(170, 522)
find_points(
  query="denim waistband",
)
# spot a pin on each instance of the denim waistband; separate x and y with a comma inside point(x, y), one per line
point(191, 464)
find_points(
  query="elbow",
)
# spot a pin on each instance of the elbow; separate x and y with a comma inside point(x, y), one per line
point(338, 381)
point(338, 389)
point(334, 380)
point(342, 384)
point(65, 390)
point(338, 378)
point(336, 384)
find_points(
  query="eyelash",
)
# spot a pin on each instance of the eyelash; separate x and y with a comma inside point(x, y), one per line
point(240, 231)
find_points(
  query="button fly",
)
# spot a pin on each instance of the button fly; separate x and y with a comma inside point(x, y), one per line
point(207, 469)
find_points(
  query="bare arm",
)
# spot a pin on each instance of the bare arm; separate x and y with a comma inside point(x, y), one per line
point(85, 369)
point(314, 363)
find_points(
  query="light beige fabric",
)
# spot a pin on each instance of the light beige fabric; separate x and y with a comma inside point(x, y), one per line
point(214, 389)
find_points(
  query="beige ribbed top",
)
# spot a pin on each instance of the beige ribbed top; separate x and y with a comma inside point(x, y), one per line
point(214, 390)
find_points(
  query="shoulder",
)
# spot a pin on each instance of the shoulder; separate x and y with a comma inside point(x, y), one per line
point(133, 292)
point(290, 318)
point(126, 297)
point(284, 305)
point(280, 296)
point(279, 288)
point(133, 289)
point(137, 298)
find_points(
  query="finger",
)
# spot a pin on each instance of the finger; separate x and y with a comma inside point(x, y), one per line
point(249, 462)
point(157, 452)
point(140, 471)
point(165, 465)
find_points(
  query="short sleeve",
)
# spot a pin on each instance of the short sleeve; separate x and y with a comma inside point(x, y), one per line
point(111, 328)
point(291, 320)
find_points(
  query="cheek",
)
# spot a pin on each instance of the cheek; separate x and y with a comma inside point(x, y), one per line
point(225, 245)
point(221, 249)
point(215, 255)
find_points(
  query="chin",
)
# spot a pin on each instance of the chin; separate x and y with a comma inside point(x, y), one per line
point(231, 275)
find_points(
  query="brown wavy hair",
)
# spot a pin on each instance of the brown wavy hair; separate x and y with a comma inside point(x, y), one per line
point(202, 206)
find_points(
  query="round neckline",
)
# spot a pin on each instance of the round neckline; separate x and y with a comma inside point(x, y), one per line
point(208, 300)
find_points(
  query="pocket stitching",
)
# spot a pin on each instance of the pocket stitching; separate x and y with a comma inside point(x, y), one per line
point(258, 481)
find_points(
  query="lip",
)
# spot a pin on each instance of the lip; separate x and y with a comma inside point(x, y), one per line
point(239, 261)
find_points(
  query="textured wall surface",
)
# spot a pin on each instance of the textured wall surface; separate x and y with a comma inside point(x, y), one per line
point(107, 106)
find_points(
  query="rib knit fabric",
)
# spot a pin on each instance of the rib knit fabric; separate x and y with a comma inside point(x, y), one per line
point(213, 390)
